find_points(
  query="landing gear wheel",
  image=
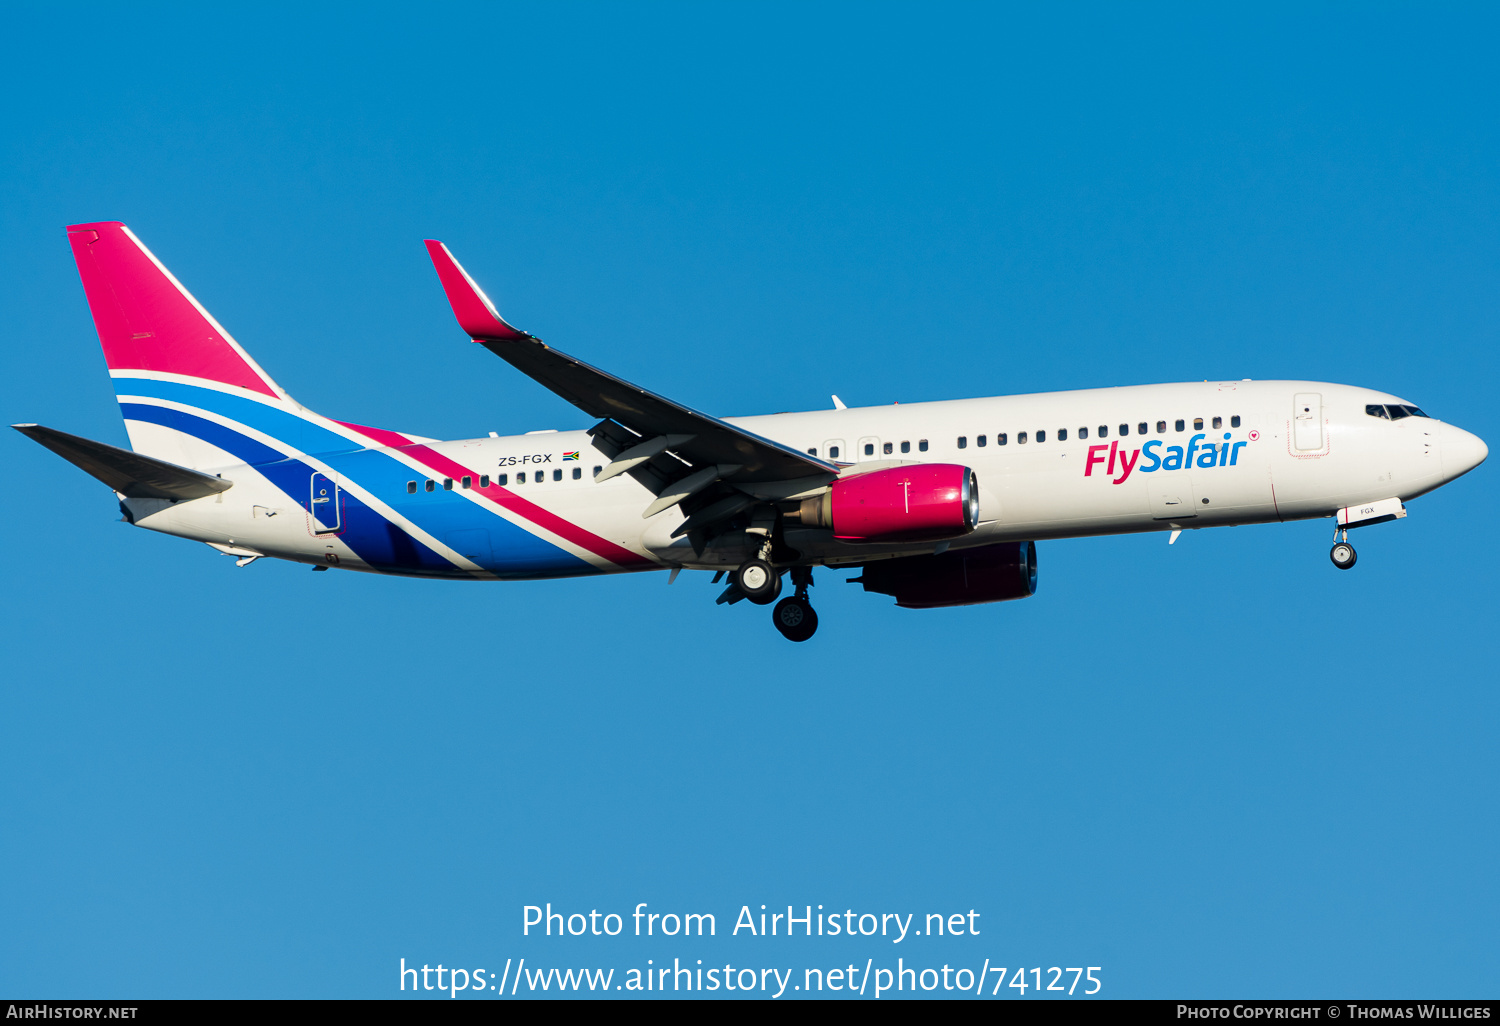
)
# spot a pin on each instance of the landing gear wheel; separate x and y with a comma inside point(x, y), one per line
point(759, 581)
point(795, 619)
point(1343, 555)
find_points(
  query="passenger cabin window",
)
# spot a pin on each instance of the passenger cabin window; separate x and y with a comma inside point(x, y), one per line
point(411, 486)
point(1182, 424)
point(981, 441)
point(1140, 428)
point(1062, 434)
point(1041, 436)
point(502, 480)
point(1083, 433)
point(1020, 438)
point(484, 480)
point(869, 448)
point(557, 474)
point(596, 472)
point(1376, 410)
point(813, 451)
point(521, 477)
point(922, 445)
point(1104, 431)
point(963, 441)
point(1234, 421)
point(430, 485)
point(468, 481)
point(447, 484)
point(1197, 423)
point(1218, 423)
point(1161, 427)
point(888, 448)
point(1001, 438)
point(833, 452)
point(577, 473)
point(906, 447)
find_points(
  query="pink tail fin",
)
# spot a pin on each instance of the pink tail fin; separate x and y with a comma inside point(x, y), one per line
point(147, 321)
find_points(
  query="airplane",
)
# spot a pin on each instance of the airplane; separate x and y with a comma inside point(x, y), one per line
point(937, 504)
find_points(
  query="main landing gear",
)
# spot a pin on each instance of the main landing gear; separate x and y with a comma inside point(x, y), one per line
point(1342, 553)
point(794, 617)
point(759, 581)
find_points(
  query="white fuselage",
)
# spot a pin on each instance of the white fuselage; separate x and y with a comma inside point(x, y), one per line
point(1255, 452)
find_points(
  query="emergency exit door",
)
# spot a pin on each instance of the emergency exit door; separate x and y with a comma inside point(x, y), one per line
point(324, 504)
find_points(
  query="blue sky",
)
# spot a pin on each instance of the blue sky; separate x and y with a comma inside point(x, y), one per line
point(1223, 768)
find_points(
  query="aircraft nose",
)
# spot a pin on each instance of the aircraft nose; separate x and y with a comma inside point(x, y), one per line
point(1462, 451)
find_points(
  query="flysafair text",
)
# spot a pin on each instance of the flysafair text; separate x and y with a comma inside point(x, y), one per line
point(1151, 456)
point(935, 504)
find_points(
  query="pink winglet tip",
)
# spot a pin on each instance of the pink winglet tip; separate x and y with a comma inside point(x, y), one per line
point(475, 313)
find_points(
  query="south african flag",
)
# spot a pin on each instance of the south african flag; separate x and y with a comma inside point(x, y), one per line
point(570, 456)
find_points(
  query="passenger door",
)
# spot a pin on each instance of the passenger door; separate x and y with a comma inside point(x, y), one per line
point(1307, 421)
point(325, 505)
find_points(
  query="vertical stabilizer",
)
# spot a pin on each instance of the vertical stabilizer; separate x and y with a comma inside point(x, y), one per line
point(160, 342)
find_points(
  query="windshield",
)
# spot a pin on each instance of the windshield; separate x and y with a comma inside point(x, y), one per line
point(1391, 411)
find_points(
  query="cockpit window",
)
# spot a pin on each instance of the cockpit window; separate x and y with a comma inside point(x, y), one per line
point(1415, 412)
point(1397, 412)
point(1376, 410)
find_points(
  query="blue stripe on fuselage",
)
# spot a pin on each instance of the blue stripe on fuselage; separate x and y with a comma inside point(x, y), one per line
point(511, 550)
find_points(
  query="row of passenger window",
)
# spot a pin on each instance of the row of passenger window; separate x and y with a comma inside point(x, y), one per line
point(467, 481)
point(1141, 428)
point(1003, 438)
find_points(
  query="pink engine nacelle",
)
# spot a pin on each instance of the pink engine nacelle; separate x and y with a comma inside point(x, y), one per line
point(921, 502)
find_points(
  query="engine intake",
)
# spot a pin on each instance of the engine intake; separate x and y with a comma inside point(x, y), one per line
point(921, 502)
point(990, 573)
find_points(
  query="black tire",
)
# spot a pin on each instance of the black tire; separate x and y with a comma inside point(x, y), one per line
point(1343, 555)
point(795, 619)
point(759, 581)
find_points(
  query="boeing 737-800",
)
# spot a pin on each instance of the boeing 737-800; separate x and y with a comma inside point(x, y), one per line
point(938, 503)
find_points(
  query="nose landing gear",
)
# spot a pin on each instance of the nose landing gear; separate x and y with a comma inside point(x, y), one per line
point(794, 617)
point(1342, 553)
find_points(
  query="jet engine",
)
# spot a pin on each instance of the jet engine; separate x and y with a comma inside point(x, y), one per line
point(920, 502)
point(990, 573)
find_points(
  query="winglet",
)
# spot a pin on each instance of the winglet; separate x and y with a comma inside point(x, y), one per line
point(475, 313)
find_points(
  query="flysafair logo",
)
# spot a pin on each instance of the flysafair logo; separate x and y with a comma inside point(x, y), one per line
point(1205, 457)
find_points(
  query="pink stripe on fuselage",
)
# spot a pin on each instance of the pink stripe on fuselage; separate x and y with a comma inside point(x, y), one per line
point(601, 547)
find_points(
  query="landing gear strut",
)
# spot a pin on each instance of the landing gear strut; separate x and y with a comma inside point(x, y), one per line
point(1342, 553)
point(794, 617)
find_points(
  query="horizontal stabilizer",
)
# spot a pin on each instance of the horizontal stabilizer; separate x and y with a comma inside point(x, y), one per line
point(129, 473)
